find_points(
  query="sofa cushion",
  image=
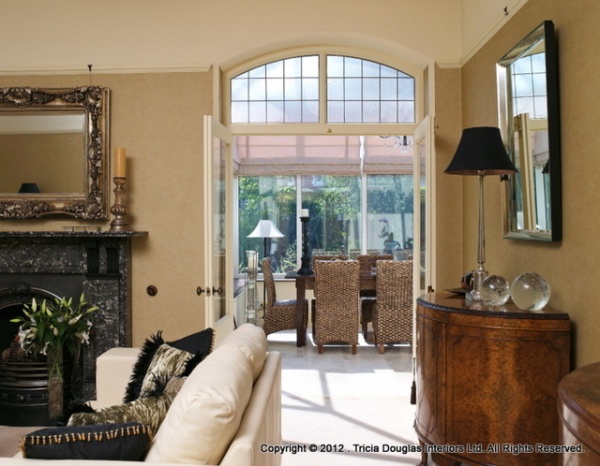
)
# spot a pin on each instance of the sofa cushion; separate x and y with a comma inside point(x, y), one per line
point(253, 343)
point(127, 442)
point(150, 410)
point(168, 362)
point(207, 412)
point(198, 344)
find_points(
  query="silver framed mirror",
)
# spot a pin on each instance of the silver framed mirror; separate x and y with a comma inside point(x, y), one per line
point(54, 152)
point(529, 119)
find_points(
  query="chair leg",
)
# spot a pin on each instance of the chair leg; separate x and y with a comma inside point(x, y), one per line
point(365, 327)
point(381, 349)
point(320, 349)
point(353, 349)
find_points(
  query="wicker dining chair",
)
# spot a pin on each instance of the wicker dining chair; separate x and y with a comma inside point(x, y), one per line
point(393, 309)
point(279, 314)
point(366, 262)
point(322, 257)
point(336, 294)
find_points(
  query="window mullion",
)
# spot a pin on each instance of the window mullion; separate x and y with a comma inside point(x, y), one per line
point(299, 244)
point(323, 88)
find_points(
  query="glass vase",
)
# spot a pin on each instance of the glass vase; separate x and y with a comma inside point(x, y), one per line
point(55, 384)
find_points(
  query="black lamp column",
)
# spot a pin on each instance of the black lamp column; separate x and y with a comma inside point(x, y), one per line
point(305, 268)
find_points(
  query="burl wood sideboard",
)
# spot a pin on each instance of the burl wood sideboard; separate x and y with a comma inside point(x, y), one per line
point(579, 414)
point(487, 382)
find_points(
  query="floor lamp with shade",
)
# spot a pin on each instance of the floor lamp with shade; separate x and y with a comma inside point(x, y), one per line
point(265, 229)
point(480, 152)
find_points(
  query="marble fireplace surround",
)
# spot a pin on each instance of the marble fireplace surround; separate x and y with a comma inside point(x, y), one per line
point(40, 264)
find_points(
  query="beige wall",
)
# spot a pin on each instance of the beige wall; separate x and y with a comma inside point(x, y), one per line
point(158, 119)
point(448, 206)
point(571, 267)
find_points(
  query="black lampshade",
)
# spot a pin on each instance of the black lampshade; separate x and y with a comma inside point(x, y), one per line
point(29, 188)
point(481, 151)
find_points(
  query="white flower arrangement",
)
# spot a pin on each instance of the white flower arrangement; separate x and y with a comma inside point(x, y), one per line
point(55, 325)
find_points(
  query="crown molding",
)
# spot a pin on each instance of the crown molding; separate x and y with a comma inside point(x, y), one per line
point(448, 64)
point(53, 70)
point(511, 10)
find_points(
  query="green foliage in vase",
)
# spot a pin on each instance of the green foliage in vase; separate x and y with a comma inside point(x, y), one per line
point(55, 325)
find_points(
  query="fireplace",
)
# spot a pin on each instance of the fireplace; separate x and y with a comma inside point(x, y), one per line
point(45, 265)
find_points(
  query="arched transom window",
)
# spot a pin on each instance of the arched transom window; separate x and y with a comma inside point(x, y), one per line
point(355, 91)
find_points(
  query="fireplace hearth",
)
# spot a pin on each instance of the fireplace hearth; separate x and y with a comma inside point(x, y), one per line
point(45, 265)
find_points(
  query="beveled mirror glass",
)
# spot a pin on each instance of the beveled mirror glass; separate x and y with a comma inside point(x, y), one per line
point(53, 152)
point(529, 121)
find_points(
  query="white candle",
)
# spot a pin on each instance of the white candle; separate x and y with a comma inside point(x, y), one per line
point(252, 261)
point(304, 213)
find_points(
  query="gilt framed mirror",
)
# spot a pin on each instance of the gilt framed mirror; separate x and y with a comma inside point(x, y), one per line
point(54, 153)
point(529, 119)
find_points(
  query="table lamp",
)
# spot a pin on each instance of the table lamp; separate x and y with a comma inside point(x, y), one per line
point(480, 152)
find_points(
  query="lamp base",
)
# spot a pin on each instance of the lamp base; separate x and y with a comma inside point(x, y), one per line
point(305, 268)
point(478, 277)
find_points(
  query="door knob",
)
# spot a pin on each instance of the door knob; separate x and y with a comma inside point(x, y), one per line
point(201, 290)
point(218, 291)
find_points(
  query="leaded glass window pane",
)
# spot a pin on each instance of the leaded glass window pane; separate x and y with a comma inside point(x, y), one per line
point(356, 90)
point(335, 89)
point(371, 112)
point(275, 89)
point(371, 90)
point(275, 111)
point(310, 67)
point(310, 111)
point(257, 111)
point(270, 86)
point(293, 89)
point(293, 111)
point(389, 89)
point(360, 86)
point(310, 89)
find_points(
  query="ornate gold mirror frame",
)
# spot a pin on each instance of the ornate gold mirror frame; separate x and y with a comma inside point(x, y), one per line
point(91, 201)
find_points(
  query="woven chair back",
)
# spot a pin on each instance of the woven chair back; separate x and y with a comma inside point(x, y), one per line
point(393, 313)
point(336, 257)
point(394, 285)
point(336, 287)
point(368, 261)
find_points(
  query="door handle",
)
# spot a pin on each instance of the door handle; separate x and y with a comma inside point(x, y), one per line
point(218, 291)
point(201, 290)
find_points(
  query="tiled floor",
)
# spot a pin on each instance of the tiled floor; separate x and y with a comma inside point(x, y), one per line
point(359, 404)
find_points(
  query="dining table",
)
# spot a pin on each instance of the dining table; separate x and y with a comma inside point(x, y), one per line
point(367, 280)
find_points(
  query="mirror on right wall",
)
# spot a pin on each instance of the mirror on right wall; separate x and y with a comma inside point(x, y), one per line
point(529, 120)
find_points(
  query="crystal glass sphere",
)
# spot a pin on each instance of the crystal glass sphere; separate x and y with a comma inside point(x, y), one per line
point(495, 290)
point(530, 291)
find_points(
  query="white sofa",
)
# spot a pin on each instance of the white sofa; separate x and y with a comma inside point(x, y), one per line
point(228, 409)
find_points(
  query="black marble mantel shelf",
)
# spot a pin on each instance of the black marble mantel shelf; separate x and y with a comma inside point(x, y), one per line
point(72, 234)
point(103, 250)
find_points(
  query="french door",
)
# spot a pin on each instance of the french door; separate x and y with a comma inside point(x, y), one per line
point(424, 225)
point(217, 223)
